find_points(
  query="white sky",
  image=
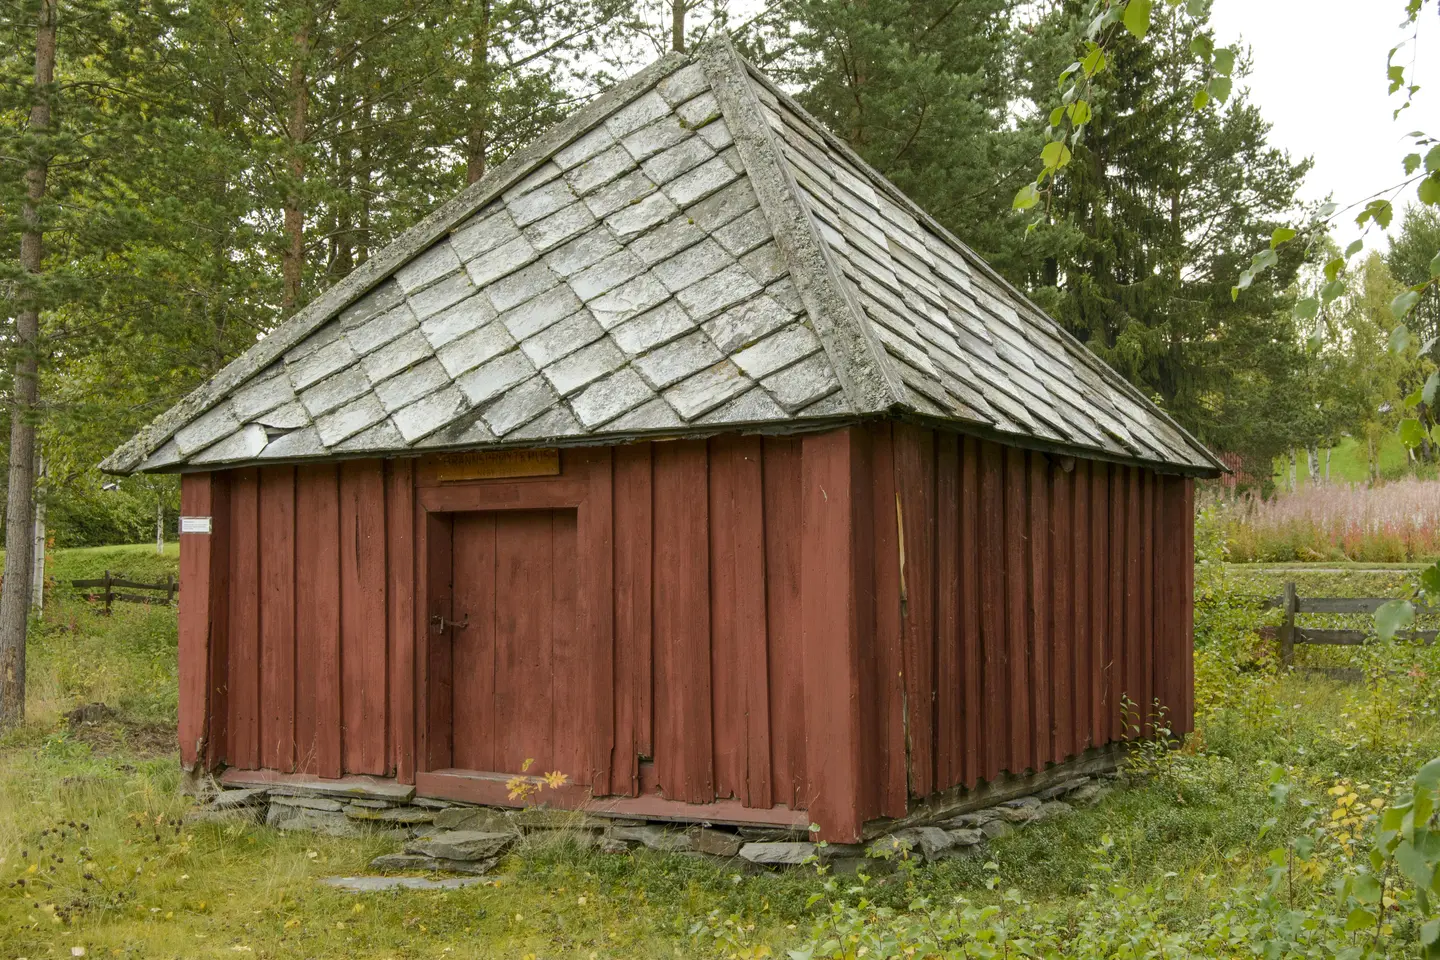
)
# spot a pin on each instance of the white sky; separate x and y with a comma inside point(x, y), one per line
point(1319, 77)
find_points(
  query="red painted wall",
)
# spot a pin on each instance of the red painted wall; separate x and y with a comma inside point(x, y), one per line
point(759, 618)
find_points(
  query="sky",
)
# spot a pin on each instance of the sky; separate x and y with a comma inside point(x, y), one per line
point(1319, 77)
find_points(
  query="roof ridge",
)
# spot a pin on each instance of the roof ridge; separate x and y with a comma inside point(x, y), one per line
point(857, 358)
point(410, 244)
point(896, 195)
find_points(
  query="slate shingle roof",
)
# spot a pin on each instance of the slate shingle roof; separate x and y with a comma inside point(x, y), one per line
point(689, 253)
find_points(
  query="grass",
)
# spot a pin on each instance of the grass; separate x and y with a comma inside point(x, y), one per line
point(1349, 462)
point(1172, 851)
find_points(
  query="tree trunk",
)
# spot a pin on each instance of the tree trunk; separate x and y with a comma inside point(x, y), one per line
point(677, 25)
point(1312, 460)
point(1293, 477)
point(37, 569)
point(1329, 451)
point(477, 140)
point(19, 533)
point(159, 522)
point(292, 262)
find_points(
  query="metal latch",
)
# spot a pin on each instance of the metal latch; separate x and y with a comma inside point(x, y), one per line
point(438, 623)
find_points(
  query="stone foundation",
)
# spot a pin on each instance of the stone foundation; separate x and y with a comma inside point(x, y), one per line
point(450, 837)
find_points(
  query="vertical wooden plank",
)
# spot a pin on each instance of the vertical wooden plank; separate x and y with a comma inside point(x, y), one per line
point(972, 664)
point(741, 687)
point(884, 710)
point(1101, 666)
point(1119, 576)
point(994, 591)
point(364, 692)
point(318, 718)
point(595, 615)
point(786, 661)
point(949, 669)
point(1062, 614)
point(1041, 644)
point(1134, 634)
point(244, 674)
point(567, 690)
point(436, 687)
point(1082, 640)
point(727, 681)
point(683, 732)
point(524, 636)
point(1169, 542)
point(1017, 611)
point(835, 479)
point(472, 648)
point(1187, 606)
point(277, 617)
point(202, 614)
point(1147, 636)
point(915, 482)
point(400, 537)
point(633, 536)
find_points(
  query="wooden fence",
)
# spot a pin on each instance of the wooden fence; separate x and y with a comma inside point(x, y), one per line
point(109, 583)
point(1289, 634)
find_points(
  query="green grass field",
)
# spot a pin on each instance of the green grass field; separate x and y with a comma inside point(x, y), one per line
point(1349, 462)
point(1156, 870)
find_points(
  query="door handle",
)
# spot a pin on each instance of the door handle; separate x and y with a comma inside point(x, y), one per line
point(438, 623)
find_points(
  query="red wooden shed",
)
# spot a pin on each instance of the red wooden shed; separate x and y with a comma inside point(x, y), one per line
point(684, 455)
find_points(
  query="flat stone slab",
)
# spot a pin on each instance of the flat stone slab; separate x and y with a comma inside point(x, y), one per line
point(309, 803)
point(777, 853)
point(395, 815)
point(462, 845)
point(381, 884)
point(333, 823)
point(246, 797)
point(474, 818)
point(396, 862)
point(344, 789)
point(656, 838)
point(228, 815)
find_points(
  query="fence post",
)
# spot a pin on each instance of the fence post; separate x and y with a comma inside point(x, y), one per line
point(1287, 628)
point(109, 593)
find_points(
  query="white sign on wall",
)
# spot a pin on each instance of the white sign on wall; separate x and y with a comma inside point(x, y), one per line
point(194, 524)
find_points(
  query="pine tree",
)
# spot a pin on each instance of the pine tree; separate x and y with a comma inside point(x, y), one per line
point(1158, 212)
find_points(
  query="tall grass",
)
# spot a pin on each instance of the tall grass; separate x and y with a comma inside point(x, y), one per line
point(1390, 523)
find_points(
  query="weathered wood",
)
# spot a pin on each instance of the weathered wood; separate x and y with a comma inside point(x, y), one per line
point(436, 686)
point(197, 496)
point(633, 508)
point(363, 698)
point(277, 617)
point(244, 673)
point(995, 754)
point(474, 659)
point(683, 734)
point(1062, 614)
point(950, 707)
point(972, 655)
point(915, 487)
point(1017, 611)
point(835, 618)
point(595, 615)
point(951, 803)
point(887, 678)
point(739, 667)
point(318, 716)
point(1287, 627)
point(1041, 644)
point(786, 666)
point(401, 640)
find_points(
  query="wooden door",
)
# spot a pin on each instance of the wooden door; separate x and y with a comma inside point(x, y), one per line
point(517, 693)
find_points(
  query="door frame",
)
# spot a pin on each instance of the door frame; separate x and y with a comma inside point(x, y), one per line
point(584, 484)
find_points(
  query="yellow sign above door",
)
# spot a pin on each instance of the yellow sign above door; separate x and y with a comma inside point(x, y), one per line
point(497, 464)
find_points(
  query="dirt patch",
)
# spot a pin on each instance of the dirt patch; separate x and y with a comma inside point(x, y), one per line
point(108, 733)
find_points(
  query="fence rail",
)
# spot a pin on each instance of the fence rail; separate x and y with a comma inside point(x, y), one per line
point(108, 583)
point(1289, 633)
